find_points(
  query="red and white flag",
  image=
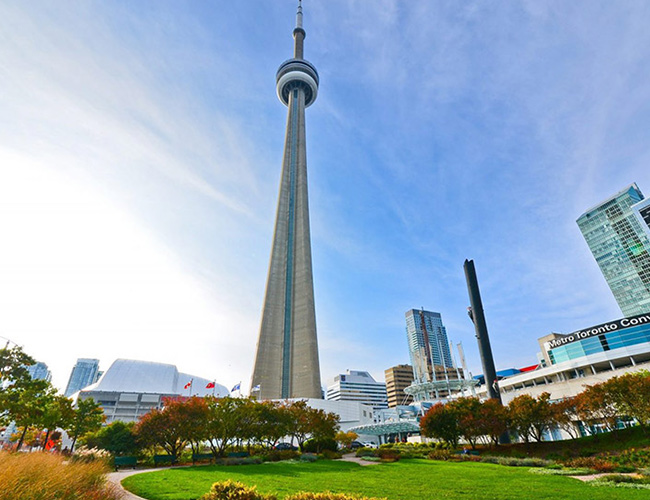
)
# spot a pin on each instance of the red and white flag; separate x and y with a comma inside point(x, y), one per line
point(188, 385)
point(210, 385)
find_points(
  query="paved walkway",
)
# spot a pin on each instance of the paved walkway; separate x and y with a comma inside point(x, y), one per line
point(116, 478)
point(351, 457)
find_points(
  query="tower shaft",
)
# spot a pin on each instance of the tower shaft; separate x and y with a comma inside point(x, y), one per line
point(286, 363)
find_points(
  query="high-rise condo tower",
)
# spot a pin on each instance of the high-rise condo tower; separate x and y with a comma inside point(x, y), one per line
point(286, 364)
point(620, 243)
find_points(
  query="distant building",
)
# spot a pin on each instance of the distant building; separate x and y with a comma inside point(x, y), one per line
point(428, 344)
point(84, 373)
point(130, 388)
point(39, 371)
point(586, 357)
point(359, 386)
point(620, 242)
point(398, 378)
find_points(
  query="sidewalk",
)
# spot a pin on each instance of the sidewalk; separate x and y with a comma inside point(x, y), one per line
point(116, 478)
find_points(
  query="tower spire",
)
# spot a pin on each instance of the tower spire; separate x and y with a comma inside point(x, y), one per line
point(299, 34)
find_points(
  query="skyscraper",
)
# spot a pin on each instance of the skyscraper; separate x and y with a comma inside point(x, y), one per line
point(39, 371)
point(621, 247)
point(84, 373)
point(286, 364)
point(428, 346)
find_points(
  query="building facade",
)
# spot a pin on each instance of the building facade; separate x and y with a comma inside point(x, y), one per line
point(570, 362)
point(84, 372)
point(398, 378)
point(286, 363)
point(132, 388)
point(39, 371)
point(428, 345)
point(358, 386)
point(642, 210)
point(620, 244)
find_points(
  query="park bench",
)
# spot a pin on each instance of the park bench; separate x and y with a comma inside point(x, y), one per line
point(238, 454)
point(125, 462)
point(198, 457)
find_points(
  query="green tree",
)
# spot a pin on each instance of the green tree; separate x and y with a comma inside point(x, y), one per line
point(24, 402)
point(87, 417)
point(57, 412)
point(441, 422)
point(13, 365)
point(117, 438)
point(228, 420)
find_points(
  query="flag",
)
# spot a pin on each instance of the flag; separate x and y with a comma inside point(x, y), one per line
point(210, 385)
point(188, 385)
point(236, 388)
point(256, 388)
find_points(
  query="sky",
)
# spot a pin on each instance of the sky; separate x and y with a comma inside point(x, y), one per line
point(140, 154)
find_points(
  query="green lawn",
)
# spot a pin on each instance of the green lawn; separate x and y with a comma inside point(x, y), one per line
point(405, 480)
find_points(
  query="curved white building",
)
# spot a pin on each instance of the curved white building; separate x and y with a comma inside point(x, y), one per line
point(131, 388)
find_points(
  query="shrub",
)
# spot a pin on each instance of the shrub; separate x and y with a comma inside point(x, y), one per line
point(388, 455)
point(633, 457)
point(308, 457)
point(595, 463)
point(440, 454)
point(365, 452)
point(319, 445)
point(517, 462)
point(233, 490)
point(87, 455)
point(326, 496)
point(27, 476)
point(331, 455)
point(279, 455)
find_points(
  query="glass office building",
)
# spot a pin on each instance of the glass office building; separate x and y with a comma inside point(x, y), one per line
point(84, 373)
point(620, 244)
point(428, 345)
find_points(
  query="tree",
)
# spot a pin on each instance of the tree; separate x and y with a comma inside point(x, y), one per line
point(25, 402)
point(596, 406)
point(13, 365)
point(57, 412)
point(345, 438)
point(117, 438)
point(529, 416)
point(88, 416)
point(227, 420)
point(565, 415)
point(468, 414)
point(164, 427)
point(441, 422)
point(493, 420)
point(630, 394)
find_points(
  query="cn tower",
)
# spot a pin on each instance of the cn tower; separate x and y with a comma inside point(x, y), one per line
point(286, 364)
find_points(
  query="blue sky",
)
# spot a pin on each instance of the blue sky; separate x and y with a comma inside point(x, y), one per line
point(140, 154)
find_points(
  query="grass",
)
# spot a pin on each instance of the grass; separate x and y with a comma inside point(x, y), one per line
point(405, 480)
point(43, 476)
